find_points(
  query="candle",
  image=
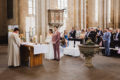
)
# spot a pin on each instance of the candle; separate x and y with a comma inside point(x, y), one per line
point(40, 38)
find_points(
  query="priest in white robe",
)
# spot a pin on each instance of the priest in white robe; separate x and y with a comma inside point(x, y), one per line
point(14, 49)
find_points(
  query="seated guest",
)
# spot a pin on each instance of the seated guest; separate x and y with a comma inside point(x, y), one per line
point(65, 41)
point(106, 41)
point(78, 33)
point(82, 36)
point(14, 49)
point(72, 33)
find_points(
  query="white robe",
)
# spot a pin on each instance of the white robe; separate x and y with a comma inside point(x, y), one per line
point(14, 50)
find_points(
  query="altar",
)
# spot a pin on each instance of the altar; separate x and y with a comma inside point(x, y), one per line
point(31, 54)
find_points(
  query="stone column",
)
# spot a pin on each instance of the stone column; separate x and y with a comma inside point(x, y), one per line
point(105, 13)
point(116, 13)
point(43, 18)
point(101, 13)
point(109, 13)
point(84, 14)
point(3, 19)
point(74, 13)
point(47, 7)
point(77, 13)
point(119, 16)
point(37, 18)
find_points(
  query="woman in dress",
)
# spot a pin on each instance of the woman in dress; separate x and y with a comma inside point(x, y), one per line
point(65, 41)
point(50, 54)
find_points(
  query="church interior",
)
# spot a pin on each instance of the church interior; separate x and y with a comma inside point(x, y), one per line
point(36, 19)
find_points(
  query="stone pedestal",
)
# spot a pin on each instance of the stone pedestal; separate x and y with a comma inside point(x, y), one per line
point(88, 52)
point(88, 61)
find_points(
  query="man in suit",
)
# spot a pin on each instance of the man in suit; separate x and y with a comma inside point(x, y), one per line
point(56, 43)
point(87, 34)
point(117, 38)
point(99, 35)
point(90, 34)
point(73, 33)
point(106, 40)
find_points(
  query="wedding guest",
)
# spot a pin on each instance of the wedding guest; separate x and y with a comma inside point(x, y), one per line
point(112, 38)
point(106, 40)
point(82, 36)
point(99, 35)
point(66, 38)
point(65, 41)
point(91, 34)
point(78, 33)
point(87, 34)
point(72, 33)
point(117, 38)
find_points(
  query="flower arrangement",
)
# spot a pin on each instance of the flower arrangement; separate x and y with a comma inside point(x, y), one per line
point(22, 37)
point(89, 42)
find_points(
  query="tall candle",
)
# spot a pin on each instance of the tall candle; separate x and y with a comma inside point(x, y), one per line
point(40, 38)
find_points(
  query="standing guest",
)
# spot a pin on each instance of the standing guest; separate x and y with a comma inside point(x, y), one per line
point(73, 33)
point(106, 40)
point(117, 38)
point(87, 34)
point(56, 43)
point(112, 38)
point(82, 36)
point(91, 34)
point(14, 49)
point(78, 33)
point(99, 35)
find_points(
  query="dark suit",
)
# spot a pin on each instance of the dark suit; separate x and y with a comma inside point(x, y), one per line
point(99, 37)
point(116, 38)
point(91, 35)
point(73, 34)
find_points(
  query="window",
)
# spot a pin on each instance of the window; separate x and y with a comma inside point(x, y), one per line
point(96, 10)
point(30, 21)
point(31, 6)
point(63, 4)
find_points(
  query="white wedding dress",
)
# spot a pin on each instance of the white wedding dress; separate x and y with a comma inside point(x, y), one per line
point(50, 54)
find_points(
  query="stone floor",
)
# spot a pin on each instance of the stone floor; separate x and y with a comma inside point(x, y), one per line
point(69, 68)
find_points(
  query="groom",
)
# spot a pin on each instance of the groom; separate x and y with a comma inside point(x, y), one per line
point(56, 43)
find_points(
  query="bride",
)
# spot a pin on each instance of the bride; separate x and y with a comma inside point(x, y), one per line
point(50, 54)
